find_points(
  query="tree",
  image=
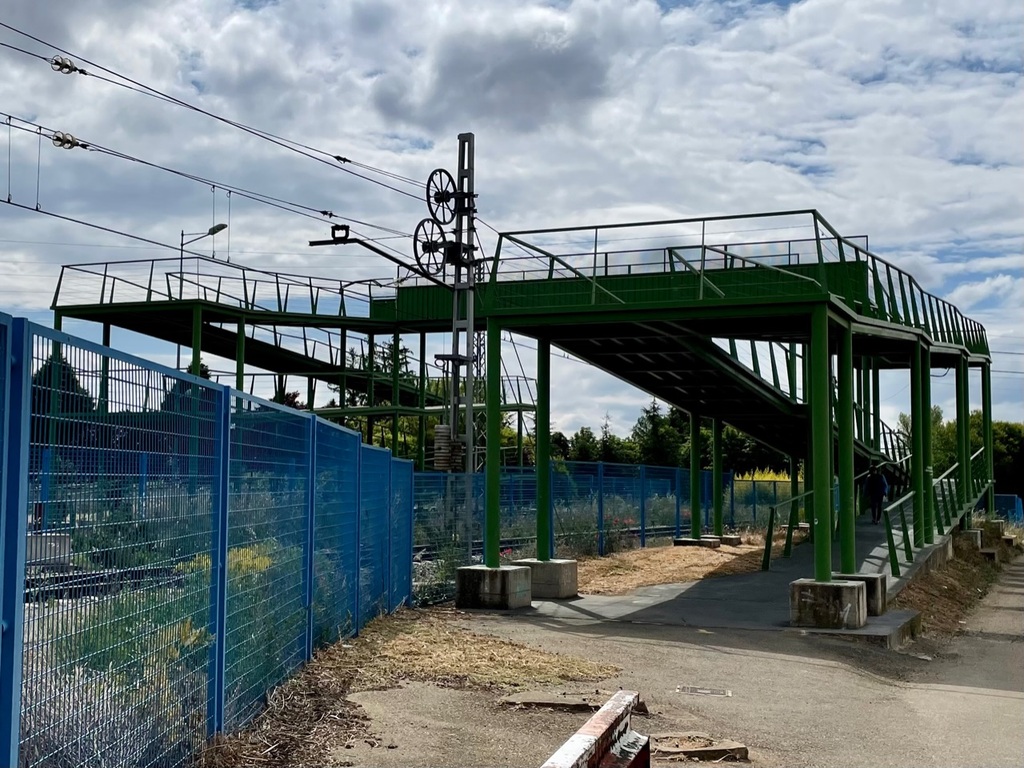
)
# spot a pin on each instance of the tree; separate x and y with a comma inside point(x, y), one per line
point(57, 374)
point(559, 446)
point(657, 442)
point(583, 446)
point(613, 448)
point(179, 398)
point(291, 399)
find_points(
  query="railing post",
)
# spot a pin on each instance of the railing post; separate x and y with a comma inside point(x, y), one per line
point(14, 529)
point(643, 505)
point(219, 564)
point(310, 540)
point(600, 508)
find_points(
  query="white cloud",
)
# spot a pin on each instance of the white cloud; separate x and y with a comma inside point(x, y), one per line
point(901, 121)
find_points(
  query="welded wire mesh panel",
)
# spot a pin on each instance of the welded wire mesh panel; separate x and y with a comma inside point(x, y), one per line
point(336, 541)
point(439, 525)
point(660, 488)
point(117, 579)
point(374, 529)
point(620, 489)
point(401, 532)
point(267, 513)
point(574, 503)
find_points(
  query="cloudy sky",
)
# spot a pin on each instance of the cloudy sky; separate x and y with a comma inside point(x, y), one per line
point(897, 119)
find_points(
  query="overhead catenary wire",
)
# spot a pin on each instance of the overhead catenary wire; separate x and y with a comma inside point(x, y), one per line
point(339, 161)
point(275, 202)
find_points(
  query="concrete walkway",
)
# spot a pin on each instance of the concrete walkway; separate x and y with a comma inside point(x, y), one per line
point(757, 600)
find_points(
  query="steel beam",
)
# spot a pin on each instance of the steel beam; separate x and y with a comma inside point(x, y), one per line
point(917, 460)
point(544, 449)
point(695, 510)
point(927, 501)
point(492, 517)
point(986, 418)
point(844, 415)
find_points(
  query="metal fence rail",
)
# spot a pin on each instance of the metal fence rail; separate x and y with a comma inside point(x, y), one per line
point(172, 549)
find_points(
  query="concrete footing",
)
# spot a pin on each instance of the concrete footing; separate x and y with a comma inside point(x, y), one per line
point(685, 541)
point(974, 534)
point(710, 542)
point(875, 589)
point(732, 539)
point(831, 605)
point(504, 588)
point(551, 579)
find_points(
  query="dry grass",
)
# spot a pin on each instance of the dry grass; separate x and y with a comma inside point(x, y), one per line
point(309, 716)
point(947, 595)
point(623, 572)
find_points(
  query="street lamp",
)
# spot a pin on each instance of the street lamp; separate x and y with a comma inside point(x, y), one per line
point(195, 236)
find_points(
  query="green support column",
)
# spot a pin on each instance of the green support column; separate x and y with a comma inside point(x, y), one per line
point(809, 461)
point(876, 409)
point(104, 400)
point(492, 518)
point(197, 340)
point(986, 421)
point(917, 459)
point(716, 473)
point(865, 401)
point(421, 430)
point(543, 449)
point(369, 363)
point(821, 442)
point(240, 356)
point(844, 415)
point(927, 501)
point(519, 439)
point(695, 511)
point(794, 487)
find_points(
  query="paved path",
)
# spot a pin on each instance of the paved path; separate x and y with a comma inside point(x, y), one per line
point(799, 700)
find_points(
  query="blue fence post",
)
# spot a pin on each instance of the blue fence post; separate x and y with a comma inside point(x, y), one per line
point(775, 493)
point(307, 576)
point(391, 515)
point(412, 532)
point(357, 511)
point(143, 474)
point(732, 500)
point(643, 505)
point(44, 487)
point(600, 508)
point(753, 484)
point(679, 502)
point(219, 566)
point(14, 530)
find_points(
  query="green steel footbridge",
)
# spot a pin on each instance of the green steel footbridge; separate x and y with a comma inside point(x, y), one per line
point(773, 323)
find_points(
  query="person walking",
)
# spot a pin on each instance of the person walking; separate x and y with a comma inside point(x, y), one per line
point(877, 488)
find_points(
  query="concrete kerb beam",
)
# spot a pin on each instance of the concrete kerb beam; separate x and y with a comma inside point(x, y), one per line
point(875, 585)
point(607, 739)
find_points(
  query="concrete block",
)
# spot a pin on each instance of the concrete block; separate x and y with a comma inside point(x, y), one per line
point(875, 588)
point(831, 605)
point(996, 527)
point(974, 534)
point(685, 541)
point(504, 588)
point(1010, 540)
point(710, 542)
point(551, 579)
point(990, 553)
point(52, 549)
point(732, 539)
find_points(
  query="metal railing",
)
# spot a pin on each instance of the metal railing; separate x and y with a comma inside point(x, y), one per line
point(173, 549)
point(785, 249)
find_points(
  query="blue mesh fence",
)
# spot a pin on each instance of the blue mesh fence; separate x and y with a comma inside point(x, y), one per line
point(117, 590)
point(400, 556)
point(268, 514)
point(336, 548)
point(374, 532)
point(1009, 508)
point(180, 550)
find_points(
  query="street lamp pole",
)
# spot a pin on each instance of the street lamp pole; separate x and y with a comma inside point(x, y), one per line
point(195, 236)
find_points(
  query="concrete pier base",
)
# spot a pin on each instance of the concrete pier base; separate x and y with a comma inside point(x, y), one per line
point(974, 534)
point(685, 541)
point(551, 579)
point(732, 539)
point(875, 589)
point(828, 605)
point(710, 542)
point(504, 588)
